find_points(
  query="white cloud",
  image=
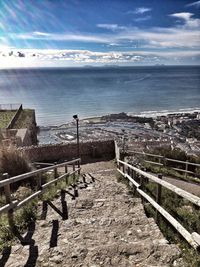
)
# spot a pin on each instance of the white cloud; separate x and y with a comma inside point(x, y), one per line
point(59, 37)
point(142, 18)
point(196, 4)
point(82, 57)
point(112, 27)
point(140, 10)
point(187, 18)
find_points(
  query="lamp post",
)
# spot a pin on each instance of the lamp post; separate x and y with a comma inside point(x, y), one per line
point(77, 134)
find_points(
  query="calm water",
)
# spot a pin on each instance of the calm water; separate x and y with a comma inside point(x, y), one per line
point(57, 94)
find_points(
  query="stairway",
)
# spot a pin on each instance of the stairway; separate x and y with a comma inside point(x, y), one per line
point(103, 226)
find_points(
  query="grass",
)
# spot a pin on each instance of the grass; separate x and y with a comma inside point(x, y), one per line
point(5, 118)
point(185, 212)
point(22, 218)
point(170, 172)
point(25, 119)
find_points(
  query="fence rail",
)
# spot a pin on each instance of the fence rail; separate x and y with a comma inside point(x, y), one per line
point(162, 162)
point(130, 173)
point(6, 183)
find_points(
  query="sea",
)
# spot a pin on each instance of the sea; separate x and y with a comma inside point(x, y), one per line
point(57, 94)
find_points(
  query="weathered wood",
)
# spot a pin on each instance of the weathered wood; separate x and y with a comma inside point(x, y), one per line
point(74, 175)
point(186, 169)
point(39, 192)
point(158, 198)
point(7, 192)
point(190, 239)
point(194, 199)
point(39, 181)
point(9, 206)
point(181, 170)
point(66, 171)
point(194, 238)
point(33, 173)
point(152, 162)
point(55, 173)
point(43, 163)
point(162, 157)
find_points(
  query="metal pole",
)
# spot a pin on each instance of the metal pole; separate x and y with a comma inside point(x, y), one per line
point(77, 133)
point(77, 130)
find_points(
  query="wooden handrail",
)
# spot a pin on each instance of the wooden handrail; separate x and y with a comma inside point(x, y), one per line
point(12, 205)
point(162, 157)
point(36, 172)
point(194, 199)
point(194, 238)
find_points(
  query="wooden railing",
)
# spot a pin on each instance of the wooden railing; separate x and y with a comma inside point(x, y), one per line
point(6, 182)
point(138, 177)
point(162, 161)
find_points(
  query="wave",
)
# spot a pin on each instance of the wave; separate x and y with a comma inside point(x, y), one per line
point(155, 113)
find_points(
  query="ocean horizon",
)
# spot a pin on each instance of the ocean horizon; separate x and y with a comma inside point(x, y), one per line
point(57, 94)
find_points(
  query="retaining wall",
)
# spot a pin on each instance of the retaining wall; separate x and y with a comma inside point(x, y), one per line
point(59, 152)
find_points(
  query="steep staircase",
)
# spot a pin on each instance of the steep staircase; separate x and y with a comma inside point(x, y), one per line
point(103, 226)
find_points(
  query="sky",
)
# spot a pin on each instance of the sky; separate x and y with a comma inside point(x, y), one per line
point(55, 33)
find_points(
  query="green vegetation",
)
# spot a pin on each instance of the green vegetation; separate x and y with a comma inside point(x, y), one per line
point(22, 219)
point(5, 118)
point(27, 214)
point(169, 172)
point(167, 169)
point(185, 212)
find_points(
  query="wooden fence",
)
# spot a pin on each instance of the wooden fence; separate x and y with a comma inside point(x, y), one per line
point(130, 172)
point(6, 183)
point(162, 162)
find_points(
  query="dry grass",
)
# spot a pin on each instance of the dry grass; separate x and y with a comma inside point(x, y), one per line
point(12, 162)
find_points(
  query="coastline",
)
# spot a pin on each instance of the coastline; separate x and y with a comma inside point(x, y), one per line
point(143, 114)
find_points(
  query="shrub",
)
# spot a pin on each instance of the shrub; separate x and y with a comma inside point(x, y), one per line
point(12, 162)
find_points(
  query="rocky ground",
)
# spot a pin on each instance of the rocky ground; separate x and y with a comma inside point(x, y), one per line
point(103, 226)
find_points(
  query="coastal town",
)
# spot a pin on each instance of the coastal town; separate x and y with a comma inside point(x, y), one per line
point(178, 130)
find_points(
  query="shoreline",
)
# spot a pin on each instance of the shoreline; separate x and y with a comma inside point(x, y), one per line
point(144, 114)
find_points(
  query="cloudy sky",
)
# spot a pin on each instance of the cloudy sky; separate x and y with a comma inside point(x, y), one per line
point(98, 32)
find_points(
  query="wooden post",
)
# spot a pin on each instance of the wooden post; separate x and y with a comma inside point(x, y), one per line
point(128, 170)
point(164, 162)
point(39, 181)
point(79, 172)
point(55, 173)
point(123, 168)
point(74, 175)
point(133, 177)
point(158, 198)
point(74, 182)
point(142, 185)
point(66, 170)
point(132, 173)
point(7, 192)
point(186, 168)
point(84, 181)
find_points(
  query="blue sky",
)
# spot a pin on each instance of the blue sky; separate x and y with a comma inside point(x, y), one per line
point(94, 32)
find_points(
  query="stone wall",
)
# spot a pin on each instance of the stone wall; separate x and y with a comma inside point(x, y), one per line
point(52, 153)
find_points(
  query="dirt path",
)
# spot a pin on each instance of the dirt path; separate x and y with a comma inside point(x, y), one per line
point(189, 187)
